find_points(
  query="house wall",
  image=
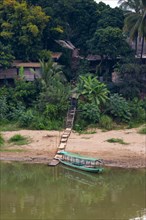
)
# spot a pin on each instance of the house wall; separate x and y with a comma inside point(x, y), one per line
point(29, 73)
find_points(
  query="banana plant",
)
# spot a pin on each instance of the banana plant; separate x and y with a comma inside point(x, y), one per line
point(92, 89)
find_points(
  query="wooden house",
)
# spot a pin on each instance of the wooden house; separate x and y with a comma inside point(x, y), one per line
point(31, 69)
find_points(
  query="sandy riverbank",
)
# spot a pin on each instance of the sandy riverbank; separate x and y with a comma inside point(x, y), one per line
point(43, 145)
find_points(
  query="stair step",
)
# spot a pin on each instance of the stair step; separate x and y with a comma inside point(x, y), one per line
point(63, 140)
point(65, 135)
point(62, 146)
point(57, 156)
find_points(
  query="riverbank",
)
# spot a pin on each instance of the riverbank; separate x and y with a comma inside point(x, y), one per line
point(43, 145)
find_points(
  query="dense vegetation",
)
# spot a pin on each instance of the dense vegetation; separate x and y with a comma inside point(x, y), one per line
point(29, 30)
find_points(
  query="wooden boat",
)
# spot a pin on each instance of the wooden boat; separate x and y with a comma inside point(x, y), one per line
point(80, 162)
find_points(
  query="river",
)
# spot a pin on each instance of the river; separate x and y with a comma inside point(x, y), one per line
point(38, 192)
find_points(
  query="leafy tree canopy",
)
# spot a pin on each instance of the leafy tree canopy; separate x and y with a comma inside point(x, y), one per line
point(113, 17)
point(109, 42)
point(6, 56)
point(22, 27)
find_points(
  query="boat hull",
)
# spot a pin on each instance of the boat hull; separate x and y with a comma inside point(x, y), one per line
point(88, 169)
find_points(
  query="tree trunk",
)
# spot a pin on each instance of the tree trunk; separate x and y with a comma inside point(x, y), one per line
point(142, 47)
point(136, 45)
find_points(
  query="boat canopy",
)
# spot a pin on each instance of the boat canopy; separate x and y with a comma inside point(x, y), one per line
point(77, 156)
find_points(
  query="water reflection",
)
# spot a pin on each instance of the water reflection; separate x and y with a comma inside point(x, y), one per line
point(40, 192)
point(141, 215)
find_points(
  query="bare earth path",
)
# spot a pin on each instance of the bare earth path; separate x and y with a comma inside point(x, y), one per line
point(43, 145)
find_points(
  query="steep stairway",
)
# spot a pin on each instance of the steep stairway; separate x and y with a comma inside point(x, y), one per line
point(64, 137)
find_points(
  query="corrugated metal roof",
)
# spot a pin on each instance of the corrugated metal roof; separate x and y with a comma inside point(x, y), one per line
point(92, 57)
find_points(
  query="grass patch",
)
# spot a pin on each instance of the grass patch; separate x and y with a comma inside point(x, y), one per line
point(116, 140)
point(86, 137)
point(87, 132)
point(134, 124)
point(106, 123)
point(142, 130)
point(2, 141)
point(9, 127)
point(12, 150)
point(18, 139)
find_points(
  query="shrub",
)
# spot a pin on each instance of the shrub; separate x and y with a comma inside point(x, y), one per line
point(116, 140)
point(142, 130)
point(26, 118)
point(106, 122)
point(137, 110)
point(89, 112)
point(80, 124)
point(16, 111)
point(119, 108)
point(3, 107)
point(40, 122)
point(18, 139)
point(1, 140)
point(51, 111)
point(132, 75)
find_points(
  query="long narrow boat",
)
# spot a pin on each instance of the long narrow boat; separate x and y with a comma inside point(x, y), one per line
point(80, 162)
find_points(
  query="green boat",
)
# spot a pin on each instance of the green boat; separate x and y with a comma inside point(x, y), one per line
point(80, 162)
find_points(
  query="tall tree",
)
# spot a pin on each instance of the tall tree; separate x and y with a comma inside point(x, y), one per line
point(78, 18)
point(128, 5)
point(6, 56)
point(113, 17)
point(109, 43)
point(22, 26)
point(135, 21)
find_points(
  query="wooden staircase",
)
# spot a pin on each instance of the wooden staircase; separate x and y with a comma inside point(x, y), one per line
point(64, 137)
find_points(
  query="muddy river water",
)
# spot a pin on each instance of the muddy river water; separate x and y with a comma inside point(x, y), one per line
point(39, 192)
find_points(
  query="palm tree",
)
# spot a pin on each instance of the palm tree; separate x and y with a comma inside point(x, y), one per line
point(51, 70)
point(128, 5)
point(135, 21)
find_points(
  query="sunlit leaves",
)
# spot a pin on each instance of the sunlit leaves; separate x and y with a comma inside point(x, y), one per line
point(22, 26)
point(93, 90)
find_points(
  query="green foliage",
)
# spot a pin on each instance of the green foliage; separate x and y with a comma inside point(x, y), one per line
point(41, 123)
point(44, 55)
point(49, 70)
point(25, 92)
point(51, 111)
point(26, 118)
point(18, 140)
point(9, 126)
point(3, 107)
point(6, 56)
point(113, 17)
point(138, 112)
point(119, 108)
point(80, 125)
point(132, 83)
point(53, 99)
point(135, 22)
point(22, 27)
point(16, 111)
point(142, 130)
point(132, 5)
point(106, 122)
point(11, 150)
point(2, 141)
point(93, 90)
point(109, 42)
point(83, 68)
point(116, 140)
point(89, 112)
